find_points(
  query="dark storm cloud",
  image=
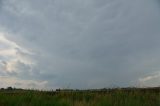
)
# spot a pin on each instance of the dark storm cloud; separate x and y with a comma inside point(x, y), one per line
point(86, 43)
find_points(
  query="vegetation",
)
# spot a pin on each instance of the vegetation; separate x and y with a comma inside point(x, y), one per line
point(102, 97)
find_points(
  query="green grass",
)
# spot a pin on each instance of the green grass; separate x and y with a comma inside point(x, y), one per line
point(115, 97)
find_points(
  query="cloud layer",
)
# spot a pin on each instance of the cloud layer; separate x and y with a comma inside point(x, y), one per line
point(79, 43)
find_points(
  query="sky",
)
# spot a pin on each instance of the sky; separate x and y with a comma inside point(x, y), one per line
point(79, 44)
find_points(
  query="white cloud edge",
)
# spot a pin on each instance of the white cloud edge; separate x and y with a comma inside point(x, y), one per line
point(151, 80)
point(19, 83)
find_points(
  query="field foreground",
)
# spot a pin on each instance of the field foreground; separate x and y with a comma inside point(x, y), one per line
point(102, 97)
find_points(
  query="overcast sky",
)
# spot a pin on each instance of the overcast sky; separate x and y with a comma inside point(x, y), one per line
point(49, 44)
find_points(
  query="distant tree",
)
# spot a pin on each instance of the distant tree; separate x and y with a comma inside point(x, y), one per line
point(2, 89)
point(9, 88)
point(58, 89)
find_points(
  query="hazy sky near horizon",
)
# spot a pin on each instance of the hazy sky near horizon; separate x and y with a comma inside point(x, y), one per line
point(81, 44)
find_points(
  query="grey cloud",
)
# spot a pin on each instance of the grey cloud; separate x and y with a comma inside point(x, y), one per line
point(86, 43)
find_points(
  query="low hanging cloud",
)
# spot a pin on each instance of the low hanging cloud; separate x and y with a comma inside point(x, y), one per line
point(79, 43)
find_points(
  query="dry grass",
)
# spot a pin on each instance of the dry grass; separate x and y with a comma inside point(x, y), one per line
point(115, 97)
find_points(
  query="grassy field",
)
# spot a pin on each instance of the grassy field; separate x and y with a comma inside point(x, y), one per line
point(103, 97)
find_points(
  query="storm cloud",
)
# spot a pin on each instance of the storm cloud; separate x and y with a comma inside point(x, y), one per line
point(80, 43)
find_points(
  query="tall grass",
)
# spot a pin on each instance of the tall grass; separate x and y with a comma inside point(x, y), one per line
point(118, 97)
